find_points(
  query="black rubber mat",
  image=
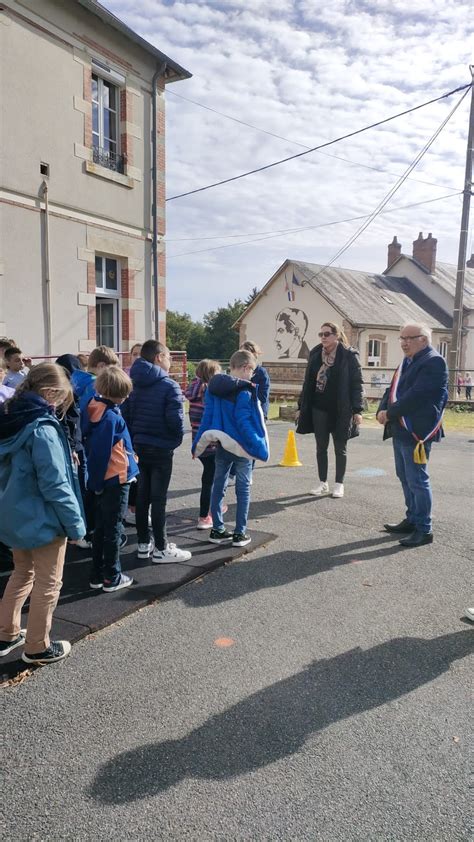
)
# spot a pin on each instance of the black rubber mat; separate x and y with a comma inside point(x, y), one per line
point(81, 610)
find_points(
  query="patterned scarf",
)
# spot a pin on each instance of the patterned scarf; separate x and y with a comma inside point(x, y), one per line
point(328, 361)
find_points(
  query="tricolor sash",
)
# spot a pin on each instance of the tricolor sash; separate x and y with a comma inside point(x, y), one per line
point(419, 453)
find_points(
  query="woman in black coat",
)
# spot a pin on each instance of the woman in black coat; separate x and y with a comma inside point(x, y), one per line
point(331, 402)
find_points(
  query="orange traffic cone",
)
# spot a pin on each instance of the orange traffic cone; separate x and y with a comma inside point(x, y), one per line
point(290, 456)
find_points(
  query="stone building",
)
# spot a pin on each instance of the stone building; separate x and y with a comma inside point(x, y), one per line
point(78, 204)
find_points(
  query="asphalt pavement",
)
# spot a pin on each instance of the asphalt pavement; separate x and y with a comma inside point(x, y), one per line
point(313, 689)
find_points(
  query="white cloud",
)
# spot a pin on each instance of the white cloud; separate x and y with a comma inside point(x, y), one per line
point(308, 72)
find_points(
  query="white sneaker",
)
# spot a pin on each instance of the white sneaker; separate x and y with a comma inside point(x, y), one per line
point(145, 550)
point(469, 614)
point(322, 488)
point(124, 582)
point(131, 518)
point(83, 544)
point(338, 490)
point(171, 555)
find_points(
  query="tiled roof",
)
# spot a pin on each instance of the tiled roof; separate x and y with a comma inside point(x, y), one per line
point(367, 299)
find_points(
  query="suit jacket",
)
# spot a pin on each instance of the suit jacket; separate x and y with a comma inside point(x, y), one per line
point(421, 397)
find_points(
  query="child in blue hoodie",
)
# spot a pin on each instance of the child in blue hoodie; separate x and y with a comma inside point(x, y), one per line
point(39, 502)
point(111, 468)
point(233, 417)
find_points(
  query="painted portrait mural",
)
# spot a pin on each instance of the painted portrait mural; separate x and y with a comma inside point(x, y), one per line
point(291, 327)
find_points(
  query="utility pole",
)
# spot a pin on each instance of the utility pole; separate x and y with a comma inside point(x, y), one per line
point(454, 354)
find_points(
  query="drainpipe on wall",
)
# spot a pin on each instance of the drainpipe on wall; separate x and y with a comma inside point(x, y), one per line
point(47, 276)
point(154, 183)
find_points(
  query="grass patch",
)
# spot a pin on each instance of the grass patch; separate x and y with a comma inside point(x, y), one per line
point(459, 418)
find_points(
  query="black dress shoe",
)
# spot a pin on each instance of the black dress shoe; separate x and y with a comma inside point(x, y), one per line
point(417, 539)
point(403, 526)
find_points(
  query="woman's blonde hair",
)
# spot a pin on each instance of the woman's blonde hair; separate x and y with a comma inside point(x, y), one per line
point(48, 376)
point(207, 369)
point(338, 331)
point(252, 347)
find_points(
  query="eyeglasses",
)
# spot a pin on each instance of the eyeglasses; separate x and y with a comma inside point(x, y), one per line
point(325, 333)
point(409, 338)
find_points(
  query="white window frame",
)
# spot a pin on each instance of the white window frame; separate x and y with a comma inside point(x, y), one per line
point(443, 348)
point(117, 326)
point(104, 291)
point(374, 360)
point(98, 138)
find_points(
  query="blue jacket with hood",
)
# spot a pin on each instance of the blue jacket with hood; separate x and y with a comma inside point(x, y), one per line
point(233, 416)
point(39, 491)
point(83, 383)
point(154, 410)
point(110, 457)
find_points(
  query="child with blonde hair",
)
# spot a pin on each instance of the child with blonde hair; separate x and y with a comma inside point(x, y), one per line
point(39, 501)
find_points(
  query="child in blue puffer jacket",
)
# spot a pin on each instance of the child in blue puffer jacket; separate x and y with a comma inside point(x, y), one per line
point(233, 417)
point(39, 502)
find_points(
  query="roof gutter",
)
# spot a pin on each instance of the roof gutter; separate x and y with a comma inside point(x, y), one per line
point(160, 71)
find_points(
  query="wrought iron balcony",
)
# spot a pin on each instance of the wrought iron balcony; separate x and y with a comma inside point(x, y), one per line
point(106, 158)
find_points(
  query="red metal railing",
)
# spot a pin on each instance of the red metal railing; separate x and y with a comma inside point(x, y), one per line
point(178, 370)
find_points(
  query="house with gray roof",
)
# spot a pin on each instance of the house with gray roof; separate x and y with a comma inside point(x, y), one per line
point(286, 316)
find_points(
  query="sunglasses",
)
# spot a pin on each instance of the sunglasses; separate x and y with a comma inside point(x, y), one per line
point(325, 333)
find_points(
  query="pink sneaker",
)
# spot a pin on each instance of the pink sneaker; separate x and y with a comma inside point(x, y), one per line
point(204, 523)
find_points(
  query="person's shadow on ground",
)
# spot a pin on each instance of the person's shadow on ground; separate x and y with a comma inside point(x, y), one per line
point(279, 569)
point(275, 722)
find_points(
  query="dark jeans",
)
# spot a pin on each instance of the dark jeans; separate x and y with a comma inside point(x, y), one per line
point(208, 468)
point(415, 482)
point(321, 424)
point(109, 508)
point(156, 464)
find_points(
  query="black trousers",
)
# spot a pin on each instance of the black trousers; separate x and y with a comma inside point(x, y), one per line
point(156, 465)
point(321, 427)
point(109, 509)
point(208, 468)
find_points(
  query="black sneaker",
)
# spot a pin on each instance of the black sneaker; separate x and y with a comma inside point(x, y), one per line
point(123, 540)
point(7, 646)
point(57, 650)
point(240, 539)
point(220, 537)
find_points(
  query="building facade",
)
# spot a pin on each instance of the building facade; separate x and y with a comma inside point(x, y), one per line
point(286, 316)
point(76, 201)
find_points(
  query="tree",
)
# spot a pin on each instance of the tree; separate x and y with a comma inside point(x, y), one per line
point(179, 327)
point(197, 343)
point(221, 339)
point(251, 296)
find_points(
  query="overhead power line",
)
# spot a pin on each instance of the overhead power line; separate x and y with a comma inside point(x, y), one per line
point(394, 189)
point(272, 234)
point(320, 146)
point(303, 145)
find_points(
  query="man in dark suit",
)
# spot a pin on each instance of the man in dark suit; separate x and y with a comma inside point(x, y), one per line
point(411, 411)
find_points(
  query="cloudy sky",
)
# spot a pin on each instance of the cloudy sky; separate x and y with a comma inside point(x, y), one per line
point(301, 72)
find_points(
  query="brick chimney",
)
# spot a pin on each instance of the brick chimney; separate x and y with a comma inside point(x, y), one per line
point(394, 251)
point(424, 251)
point(470, 262)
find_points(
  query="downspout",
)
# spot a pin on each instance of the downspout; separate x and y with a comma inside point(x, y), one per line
point(47, 276)
point(154, 186)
